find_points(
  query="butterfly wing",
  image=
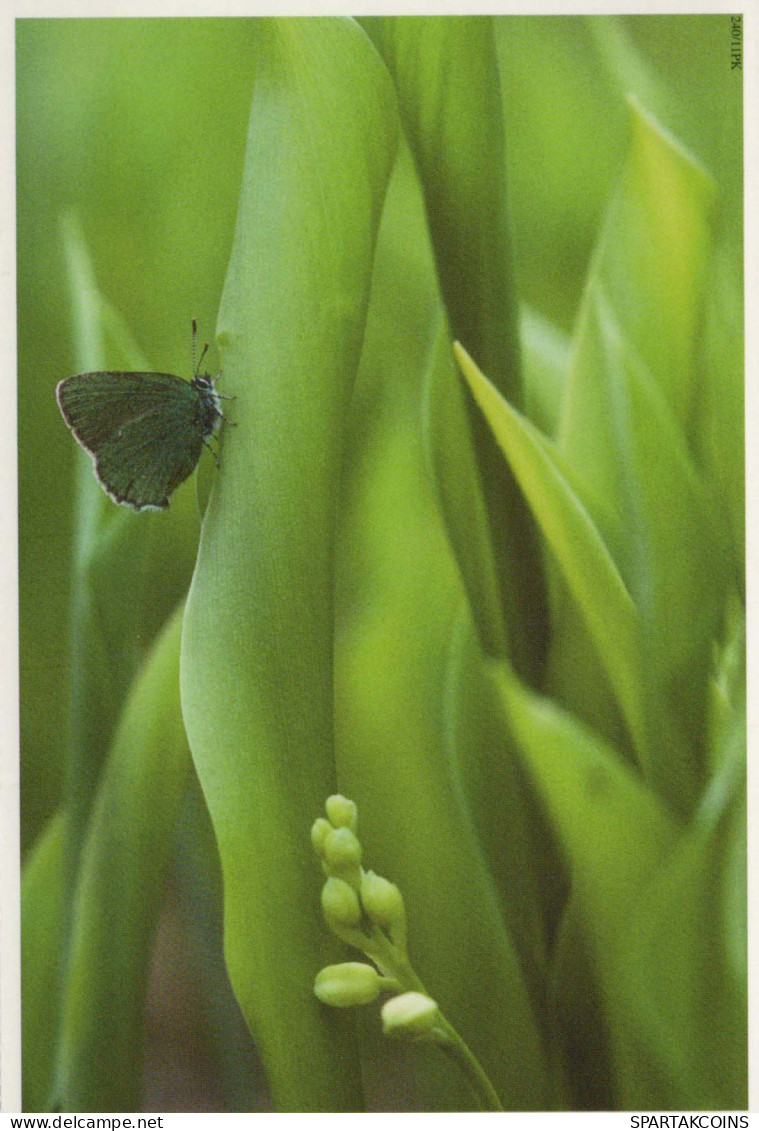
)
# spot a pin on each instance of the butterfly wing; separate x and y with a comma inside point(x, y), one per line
point(141, 430)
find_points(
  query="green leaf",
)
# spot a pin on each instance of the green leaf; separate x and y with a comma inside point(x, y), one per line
point(446, 74)
point(574, 538)
point(43, 894)
point(119, 891)
point(462, 502)
point(614, 829)
point(258, 642)
point(454, 459)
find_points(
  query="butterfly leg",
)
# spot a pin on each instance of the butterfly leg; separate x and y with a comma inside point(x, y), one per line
point(213, 451)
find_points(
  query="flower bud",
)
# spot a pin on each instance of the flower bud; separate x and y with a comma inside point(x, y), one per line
point(383, 903)
point(411, 1015)
point(340, 904)
point(320, 830)
point(349, 983)
point(342, 854)
point(342, 812)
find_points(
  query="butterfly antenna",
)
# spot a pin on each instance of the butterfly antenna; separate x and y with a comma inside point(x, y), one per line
point(196, 368)
point(200, 361)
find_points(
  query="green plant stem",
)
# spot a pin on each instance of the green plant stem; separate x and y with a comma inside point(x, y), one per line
point(396, 966)
point(459, 1051)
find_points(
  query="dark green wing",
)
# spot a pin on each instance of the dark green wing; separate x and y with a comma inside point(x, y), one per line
point(95, 405)
point(146, 460)
point(141, 430)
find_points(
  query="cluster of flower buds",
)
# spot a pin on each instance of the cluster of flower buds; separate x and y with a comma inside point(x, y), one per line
point(367, 912)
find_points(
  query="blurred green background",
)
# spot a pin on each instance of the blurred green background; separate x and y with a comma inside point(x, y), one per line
point(136, 130)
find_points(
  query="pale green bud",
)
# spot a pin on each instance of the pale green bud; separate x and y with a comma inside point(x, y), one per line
point(342, 853)
point(320, 830)
point(340, 904)
point(411, 1015)
point(349, 983)
point(383, 903)
point(342, 812)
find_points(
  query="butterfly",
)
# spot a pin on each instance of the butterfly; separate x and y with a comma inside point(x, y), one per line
point(144, 431)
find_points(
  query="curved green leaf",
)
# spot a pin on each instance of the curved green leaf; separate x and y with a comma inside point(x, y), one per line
point(574, 538)
point(446, 74)
point(614, 829)
point(119, 889)
point(258, 642)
